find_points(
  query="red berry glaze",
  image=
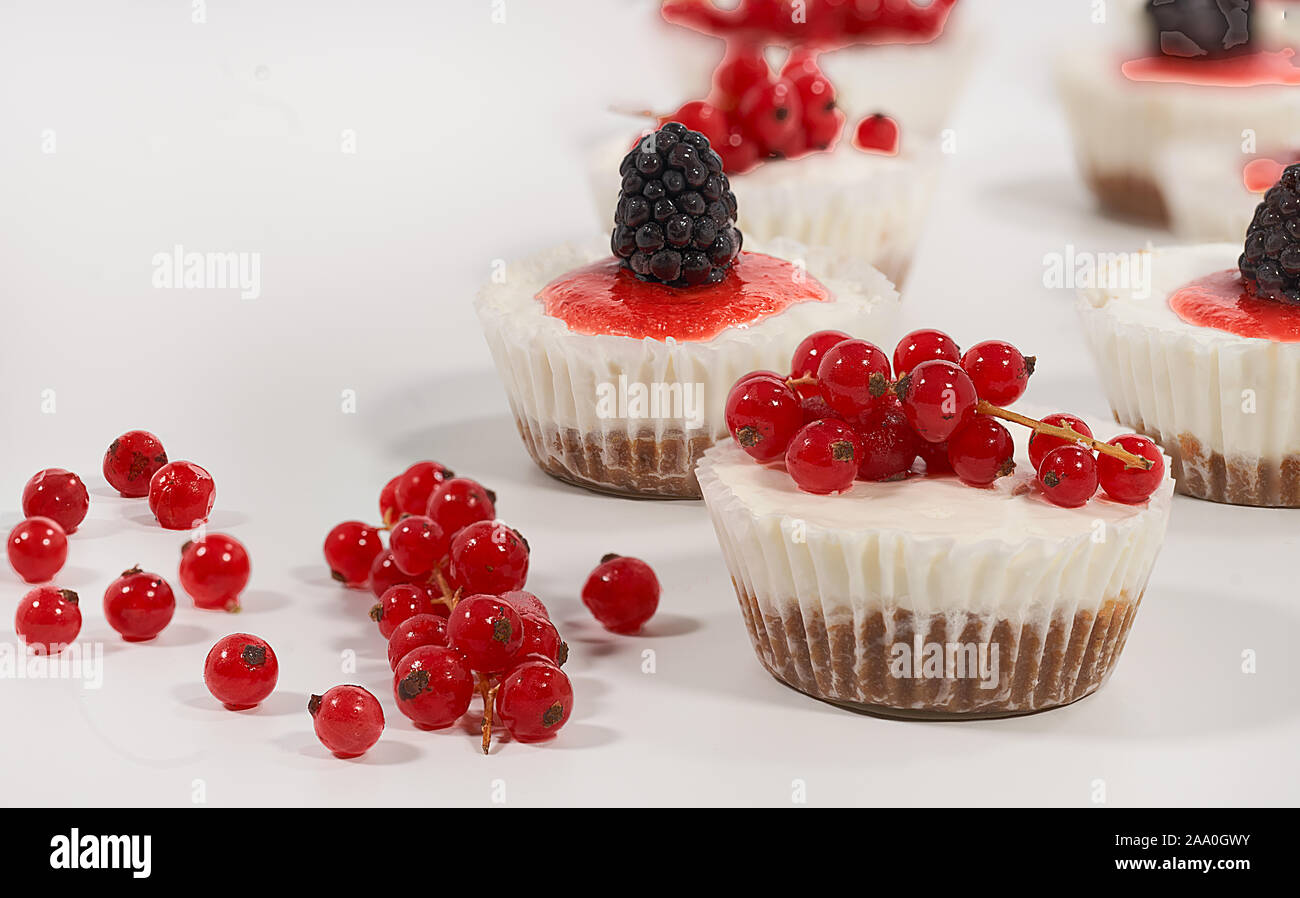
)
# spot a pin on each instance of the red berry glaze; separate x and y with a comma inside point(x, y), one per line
point(981, 451)
point(241, 671)
point(854, 377)
point(348, 720)
point(214, 571)
point(823, 457)
point(487, 630)
point(433, 686)
point(48, 619)
point(808, 354)
point(772, 114)
point(938, 398)
point(131, 461)
point(541, 638)
point(351, 548)
point(1131, 485)
point(399, 603)
point(389, 513)
point(999, 371)
point(877, 134)
point(923, 346)
point(1068, 476)
point(37, 549)
point(763, 414)
point(417, 484)
point(889, 444)
point(489, 557)
point(534, 701)
point(459, 502)
point(58, 495)
point(742, 68)
point(418, 545)
point(181, 495)
point(139, 605)
point(415, 631)
point(622, 593)
point(1042, 443)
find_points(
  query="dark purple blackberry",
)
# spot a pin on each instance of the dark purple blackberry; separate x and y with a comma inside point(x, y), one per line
point(1271, 260)
point(675, 221)
point(1201, 28)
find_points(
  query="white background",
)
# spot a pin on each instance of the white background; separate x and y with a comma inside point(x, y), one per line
point(226, 136)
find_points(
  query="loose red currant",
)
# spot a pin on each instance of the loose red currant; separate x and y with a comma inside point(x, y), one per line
point(924, 346)
point(417, 484)
point(415, 631)
point(181, 495)
point(771, 113)
point(541, 638)
point(48, 619)
point(854, 377)
point(418, 545)
point(1042, 443)
point(241, 671)
point(622, 593)
point(389, 512)
point(999, 371)
point(489, 557)
point(706, 118)
point(385, 574)
point(400, 603)
point(877, 134)
point(534, 701)
point(763, 414)
point(889, 445)
point(37, 549)
point(433, 686)
point(348, 720)
point(1131, 485)
point(823, 457)
point(139, 605)
point(214, 571)
point(487, 631)
point(1068, 476)
point(981, 451)
point(58, 495)
point(131, 461)
point(742, 68)
point(350, 550)
point(459, 502)
point(938, 398)
point(935, 456)
point(526, 603)
point(808, 354)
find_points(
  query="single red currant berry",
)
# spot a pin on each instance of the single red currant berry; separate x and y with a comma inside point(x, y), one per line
point(389, 512)
point(740, 153)
point(938, 398)
point(384, 574)
point(139, 605)
point(526, 603)
point(822, 126)
point(1131, 485)
point(981, 451)
point(889, 445)
point(131, 461)
point(48, 619)
point(541, 638)
point(415, 631)
point(459, 502)
point(487, 631)
point(348, 720)
point(706, 118)
point(489, 557)
point(418, 545)
point(181, 495)
point(214, 571)
point(58, 495)
point(622, 593)
point(763, 414)
point(241, 671)
point(1068, 476)
point(351, 548)
point(400, 603)
point(877, 134)
point(1042, 443)
point(417, 484)
point(772, 114)
point(742, 68)
point(37, 549)
point(814, 404)
point(854, 377)
point(534, 701)
point(823, 457)
point(999, 371)
point(924, 346)
point(433, 686)
point(808, 354)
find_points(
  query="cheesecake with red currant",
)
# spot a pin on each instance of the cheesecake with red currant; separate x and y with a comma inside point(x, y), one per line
point(896, 548)
point(617, 356)
point(1205, 357)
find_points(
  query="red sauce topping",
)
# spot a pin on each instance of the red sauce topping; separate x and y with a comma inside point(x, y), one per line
point(1223, 302)
point(606, 298)
point(1247, 70)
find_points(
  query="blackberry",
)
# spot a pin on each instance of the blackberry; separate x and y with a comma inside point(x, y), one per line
point(1271, 260)
point(675, 221)
point(1201, 28)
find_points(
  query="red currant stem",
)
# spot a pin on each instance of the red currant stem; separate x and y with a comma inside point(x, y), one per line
point(449, 596)
point(1130, 459)
point(489, 694)
point(793, 382)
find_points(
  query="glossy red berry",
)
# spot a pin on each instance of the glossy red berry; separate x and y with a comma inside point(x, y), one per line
point(459, 502)
point(772, 114)
point(814, 404)
point(542, 638)
point(742, 68)
point(48, 619)
point(981, 451)
point(822, 126)
point(131, 461)
point(622, 593)
point(415, 631)
point(823, 457)
point(348, 720)
point(1131, 485)
point(418, 545)
point(709, 120)
point(889, 444)
point(935, 456)
point(433, 686)
point(526, 603)
point(938, 397)
point(808, 354)
point(139, 605)
point(351, 548)
point(1068, 476)
point(740, 153)
point(58, 495)
point(534, 701)
point(487, 630)
point(417, 484)
point(489, 557)
point(1042, 443)
point(877, 134)
point(37, 549)
point(923, 346)
point(214, 571)
point(854, 377)
point(181, 495)
point(384, 574)
point(241, 671)
point(399, 604)
point(1000, 372)
point(389, 512)
point(763, 414)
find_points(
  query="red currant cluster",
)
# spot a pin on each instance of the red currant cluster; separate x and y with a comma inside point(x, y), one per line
point(843, 413)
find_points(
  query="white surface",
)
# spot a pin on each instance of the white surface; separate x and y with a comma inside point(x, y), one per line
point(225, 136)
